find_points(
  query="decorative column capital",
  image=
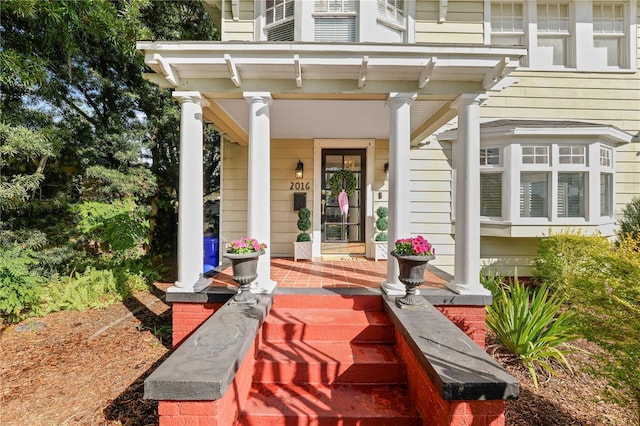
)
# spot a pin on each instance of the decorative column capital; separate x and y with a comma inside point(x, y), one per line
point(469, 99)
point(191, 97)
point(258, 97)
point(400, 98)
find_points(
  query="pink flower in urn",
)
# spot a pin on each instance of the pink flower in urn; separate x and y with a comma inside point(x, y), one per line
point(245, 245)
point(417, 246)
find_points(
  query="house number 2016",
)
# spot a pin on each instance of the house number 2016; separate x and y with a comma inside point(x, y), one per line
point(299, 186)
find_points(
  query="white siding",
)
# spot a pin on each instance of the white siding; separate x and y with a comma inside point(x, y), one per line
point(431, 199)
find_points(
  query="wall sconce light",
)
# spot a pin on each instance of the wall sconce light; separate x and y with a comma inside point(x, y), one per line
point(386, 167)
point(299, 170)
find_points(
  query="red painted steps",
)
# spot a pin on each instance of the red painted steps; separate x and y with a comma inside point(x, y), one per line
point(317, 405)
point(328, 360)
point(327, 363)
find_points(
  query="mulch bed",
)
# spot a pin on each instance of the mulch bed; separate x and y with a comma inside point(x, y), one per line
point(88, 368)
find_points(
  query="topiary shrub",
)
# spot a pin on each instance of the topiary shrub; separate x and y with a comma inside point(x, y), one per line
point(382, 223)
point(304, 224)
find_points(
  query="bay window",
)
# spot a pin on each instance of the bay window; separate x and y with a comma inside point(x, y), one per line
point(490, 182)
point(335, 20)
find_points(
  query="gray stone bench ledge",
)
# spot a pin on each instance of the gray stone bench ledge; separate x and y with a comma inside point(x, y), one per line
point(205, 364)
point(455, 364)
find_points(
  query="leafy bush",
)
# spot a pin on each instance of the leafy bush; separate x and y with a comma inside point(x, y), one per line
point(122, 225)
point(530, 324)
point(20, 288)
point(382, 236)
point(629, 223)
point(304, 224)
point(92, 288)
point(602, 285)
point(382, 223)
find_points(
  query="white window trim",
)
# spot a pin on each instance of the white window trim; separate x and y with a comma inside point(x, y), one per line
point(583, 56)
point(366, 20)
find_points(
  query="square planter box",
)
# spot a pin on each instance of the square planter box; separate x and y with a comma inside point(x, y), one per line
point(380, 250)
point(302, 250)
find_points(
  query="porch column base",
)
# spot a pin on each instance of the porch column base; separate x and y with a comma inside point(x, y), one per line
point(263, 286)
point(395, 289)
point(468, 289)
point(196, 287)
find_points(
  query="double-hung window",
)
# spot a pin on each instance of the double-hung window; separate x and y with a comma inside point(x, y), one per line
point(391, 13)
point(571, 186)
point(608, 32)
point(554, 31)
point(491, 172)
point(606, 182)
point(534, 181)
point(335, 20)
point(507, 23)
point(279, 20)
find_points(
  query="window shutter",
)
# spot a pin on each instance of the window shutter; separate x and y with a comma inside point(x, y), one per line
point(281, 32)
point(335, 29)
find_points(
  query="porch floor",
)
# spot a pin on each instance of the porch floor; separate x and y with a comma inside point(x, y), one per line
point(350, 273)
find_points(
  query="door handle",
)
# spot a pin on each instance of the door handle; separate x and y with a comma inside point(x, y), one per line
point(323, 202)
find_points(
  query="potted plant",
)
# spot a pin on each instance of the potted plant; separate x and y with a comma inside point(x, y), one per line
point(302, 248)
point(244, 254)
point(380, 240)
point(412, 255)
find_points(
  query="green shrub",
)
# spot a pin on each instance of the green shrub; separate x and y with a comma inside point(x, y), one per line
point(91, 289)
point(122, 226)
point(302, 237)
point(20, 288)
point(304, 224)
point(602, 286)
point(382, 224)
point(530, 324)
point(629, 223)
point(382, 236)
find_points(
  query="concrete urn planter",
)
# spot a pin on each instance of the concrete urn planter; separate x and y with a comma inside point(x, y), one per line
point(411, 275)
point(245, 267)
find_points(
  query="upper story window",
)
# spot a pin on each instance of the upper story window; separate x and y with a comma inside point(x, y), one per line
point(554, 30)
point(279, 20)
point(391, 12)
point(335, 20)
point(507, 23)
point(608, 32)
point(577, 35)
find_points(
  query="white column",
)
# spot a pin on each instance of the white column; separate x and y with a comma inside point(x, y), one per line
point(399, 190)
point(190, 203)
point(466, 277)
point(259, 184)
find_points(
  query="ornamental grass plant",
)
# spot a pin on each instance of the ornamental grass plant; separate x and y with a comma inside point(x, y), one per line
point(531, 324)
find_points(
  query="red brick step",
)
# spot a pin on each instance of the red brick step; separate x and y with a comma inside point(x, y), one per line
point(317, 405)
point(343, 325)
point(328, 362)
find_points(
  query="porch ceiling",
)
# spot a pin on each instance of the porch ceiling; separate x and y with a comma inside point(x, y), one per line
point(328, 90)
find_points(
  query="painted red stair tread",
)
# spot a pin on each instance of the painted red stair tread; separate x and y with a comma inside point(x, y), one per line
point(333, 301)
point(328, 325)
point(328, 362)
point(332, 317)
point(324, 405)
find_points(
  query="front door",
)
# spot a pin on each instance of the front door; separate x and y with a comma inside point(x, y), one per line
point(342, 216)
